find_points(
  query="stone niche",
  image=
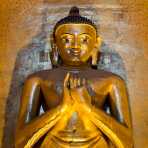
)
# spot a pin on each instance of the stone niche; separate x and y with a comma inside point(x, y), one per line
point(36, 55)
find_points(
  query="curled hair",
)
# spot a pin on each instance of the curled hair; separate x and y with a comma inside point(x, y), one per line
point(74, 17)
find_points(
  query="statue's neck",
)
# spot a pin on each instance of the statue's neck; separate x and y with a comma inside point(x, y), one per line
point(75, 67)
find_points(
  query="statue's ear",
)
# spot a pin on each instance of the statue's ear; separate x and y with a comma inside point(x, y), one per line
point(98, 42)
point(54, 56)
point(95, 51)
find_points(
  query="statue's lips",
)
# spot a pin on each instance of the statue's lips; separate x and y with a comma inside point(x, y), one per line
point(74, 52)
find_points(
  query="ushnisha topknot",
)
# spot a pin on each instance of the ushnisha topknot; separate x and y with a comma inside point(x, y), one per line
point(74, 17)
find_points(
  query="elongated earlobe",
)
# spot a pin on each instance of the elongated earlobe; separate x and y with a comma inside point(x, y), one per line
point(54, 54)
point(98, 42)
point(94, 56)
point(95, 52)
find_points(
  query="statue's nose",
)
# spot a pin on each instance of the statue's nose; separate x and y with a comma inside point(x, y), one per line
point(76, 47)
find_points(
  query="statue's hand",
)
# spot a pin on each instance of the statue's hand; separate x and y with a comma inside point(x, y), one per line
point(80, 94)
point(75, 92)
point(67, 99)
point(76, 82)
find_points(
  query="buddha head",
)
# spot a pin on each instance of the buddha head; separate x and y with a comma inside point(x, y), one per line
point(75, 40)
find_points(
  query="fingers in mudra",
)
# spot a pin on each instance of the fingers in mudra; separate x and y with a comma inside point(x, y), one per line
point(66, 80)
point(76, 82)
point(67, 99)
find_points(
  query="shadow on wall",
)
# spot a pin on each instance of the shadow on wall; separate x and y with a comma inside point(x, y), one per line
point(35, 57)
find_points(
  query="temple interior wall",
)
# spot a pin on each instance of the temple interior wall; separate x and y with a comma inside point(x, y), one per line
point(123, 25)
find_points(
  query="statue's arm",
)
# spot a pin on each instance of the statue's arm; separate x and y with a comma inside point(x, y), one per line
point(24, 131)
point(29, 89)
point(29, 103)
point(119, 102)
point(120, 121)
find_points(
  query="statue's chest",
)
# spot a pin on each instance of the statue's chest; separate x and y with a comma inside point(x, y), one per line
point(98, 100)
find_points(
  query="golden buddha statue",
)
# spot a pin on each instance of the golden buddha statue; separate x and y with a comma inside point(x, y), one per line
point(83, 107)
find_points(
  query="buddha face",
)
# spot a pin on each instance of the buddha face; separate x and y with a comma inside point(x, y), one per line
point(75, 42)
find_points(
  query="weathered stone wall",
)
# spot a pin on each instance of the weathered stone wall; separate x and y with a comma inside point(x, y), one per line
point(123, 27)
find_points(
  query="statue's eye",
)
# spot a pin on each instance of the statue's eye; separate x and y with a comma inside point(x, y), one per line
point(66, 40)
point(84, 40)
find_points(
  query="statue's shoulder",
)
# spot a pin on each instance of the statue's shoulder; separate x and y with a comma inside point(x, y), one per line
point(39, 75)
point(102, 74)
point(49, 74)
